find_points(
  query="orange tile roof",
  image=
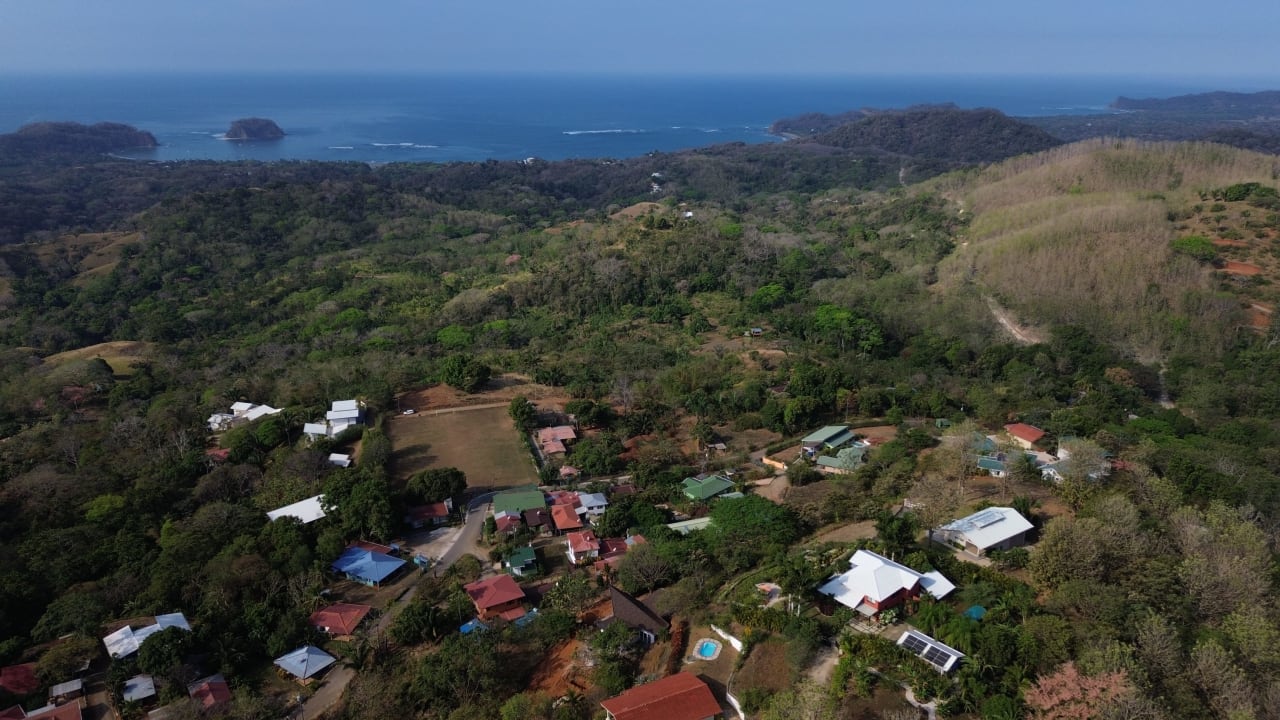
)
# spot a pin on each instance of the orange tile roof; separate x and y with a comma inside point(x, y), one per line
point(210, 692)
point(565, 518)
point(494, 591)
point(682, 696)
point(584, 541)
point(1022, 431)
point(339, 618)
point(70, 711)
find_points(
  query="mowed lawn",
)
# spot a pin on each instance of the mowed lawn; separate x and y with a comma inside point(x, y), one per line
point(482, 443)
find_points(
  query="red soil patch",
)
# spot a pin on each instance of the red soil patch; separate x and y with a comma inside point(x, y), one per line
point(1239, 268)
point(1258, 316)
point(1223, 242)
point(561, 672)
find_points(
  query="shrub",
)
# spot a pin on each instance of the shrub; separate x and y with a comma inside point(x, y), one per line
point(1197, 247)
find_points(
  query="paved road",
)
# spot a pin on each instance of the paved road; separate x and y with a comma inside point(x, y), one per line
point(335, 683)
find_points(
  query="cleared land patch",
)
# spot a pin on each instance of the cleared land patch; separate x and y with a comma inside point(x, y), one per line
point(481, 442)
point(121, 355)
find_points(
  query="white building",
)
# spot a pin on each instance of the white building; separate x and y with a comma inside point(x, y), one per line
point(875, 583)
point(995, 528)
point(307, 511)
point(240, 412)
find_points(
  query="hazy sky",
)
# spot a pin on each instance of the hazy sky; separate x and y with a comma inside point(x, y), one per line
point(1064, 37)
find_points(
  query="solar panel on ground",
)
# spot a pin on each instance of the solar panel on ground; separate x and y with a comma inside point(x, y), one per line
point(936, 656)
point(914, 644)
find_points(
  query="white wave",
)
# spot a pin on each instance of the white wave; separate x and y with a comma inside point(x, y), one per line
point(405, 145)
point(341, 147)
point(710, 130)
point(603, 132)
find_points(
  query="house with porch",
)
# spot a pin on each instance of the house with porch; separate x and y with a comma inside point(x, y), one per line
point(874, 583)
point(993, 528)
point(498, 596)
point(683, 696)
point(593, 504)
point(305, 663)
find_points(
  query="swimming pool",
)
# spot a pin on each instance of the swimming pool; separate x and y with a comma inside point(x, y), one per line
point(707, 649)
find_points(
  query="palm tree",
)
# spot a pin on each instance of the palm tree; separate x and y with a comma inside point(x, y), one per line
point(932, 616)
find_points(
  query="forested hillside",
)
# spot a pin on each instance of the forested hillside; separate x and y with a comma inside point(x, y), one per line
point(741, 296)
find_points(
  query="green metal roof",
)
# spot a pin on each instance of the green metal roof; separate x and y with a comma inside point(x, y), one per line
point(990, 464)
point(517, 500)
point(522, 556)
point(706, 488)
point(826, 434)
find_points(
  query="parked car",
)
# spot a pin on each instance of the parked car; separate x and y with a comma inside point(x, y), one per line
point(410, 411)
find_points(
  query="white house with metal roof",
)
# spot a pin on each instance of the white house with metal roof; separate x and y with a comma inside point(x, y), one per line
point(875, 583)
point(994, 528)
point(307, 511)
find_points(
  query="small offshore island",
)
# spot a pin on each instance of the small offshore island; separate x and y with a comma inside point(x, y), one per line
point(254, 129)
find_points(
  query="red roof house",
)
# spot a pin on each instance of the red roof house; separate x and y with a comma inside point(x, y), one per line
point(13, 713)
point(70, 711)
point(339, 619)
point(506, 522)
point(583, 547)
point(210, 692)
point(1023, 434)
point(20, 679)
point(423, 515)
point(496, 596)
point(683, 696)
point(565, 517)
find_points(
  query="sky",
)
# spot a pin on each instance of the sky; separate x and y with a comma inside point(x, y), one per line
point(1172, 38)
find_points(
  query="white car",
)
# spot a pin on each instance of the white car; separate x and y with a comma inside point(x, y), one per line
point(410, 411)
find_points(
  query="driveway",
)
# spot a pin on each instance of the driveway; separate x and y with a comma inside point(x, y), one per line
point(450, 544)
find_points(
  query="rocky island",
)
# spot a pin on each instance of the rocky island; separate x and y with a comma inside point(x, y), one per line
point(254, 129)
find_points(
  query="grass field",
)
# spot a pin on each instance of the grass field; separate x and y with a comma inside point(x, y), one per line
point(121, 355)
point(481, 442)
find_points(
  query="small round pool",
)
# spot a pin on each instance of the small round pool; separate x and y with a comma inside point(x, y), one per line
point(707, 649)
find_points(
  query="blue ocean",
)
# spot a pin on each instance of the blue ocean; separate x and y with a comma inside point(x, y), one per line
point(449, 118)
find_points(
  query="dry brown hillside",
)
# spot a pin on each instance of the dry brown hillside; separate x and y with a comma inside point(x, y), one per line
point(1083, 234)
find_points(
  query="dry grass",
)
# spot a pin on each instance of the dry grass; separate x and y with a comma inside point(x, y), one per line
point(481, 442)
point(91, 254)
point(1082, 234)
point(121, 355)
point(766, 667)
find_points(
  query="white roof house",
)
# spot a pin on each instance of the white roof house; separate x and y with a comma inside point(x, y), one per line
point(240, 408)
point(138, 688)
point(994, 528)
point(307, 511)
point(593, 503)
point(126, 641)
point(220, 421)
point(342, 415)
point(315, 430)
point(344, 405)
point(260, 411)
point(874, 583)
point(340, 459)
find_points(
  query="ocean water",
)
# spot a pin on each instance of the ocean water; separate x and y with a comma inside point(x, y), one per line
point(448, 118)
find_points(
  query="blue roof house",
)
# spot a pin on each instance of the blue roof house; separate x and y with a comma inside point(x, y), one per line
point(367, 567)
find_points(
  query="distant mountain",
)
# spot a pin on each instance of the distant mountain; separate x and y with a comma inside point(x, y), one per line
point(941, 135)
point(1225, 104)
point(254, 129)
point(71, 139)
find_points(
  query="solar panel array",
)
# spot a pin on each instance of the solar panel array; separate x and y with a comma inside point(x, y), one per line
point(934, 652)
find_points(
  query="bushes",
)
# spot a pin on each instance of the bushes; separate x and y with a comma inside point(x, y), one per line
point(1196, 246)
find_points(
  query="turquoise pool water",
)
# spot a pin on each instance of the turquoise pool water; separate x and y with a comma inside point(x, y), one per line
point(708, 649)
